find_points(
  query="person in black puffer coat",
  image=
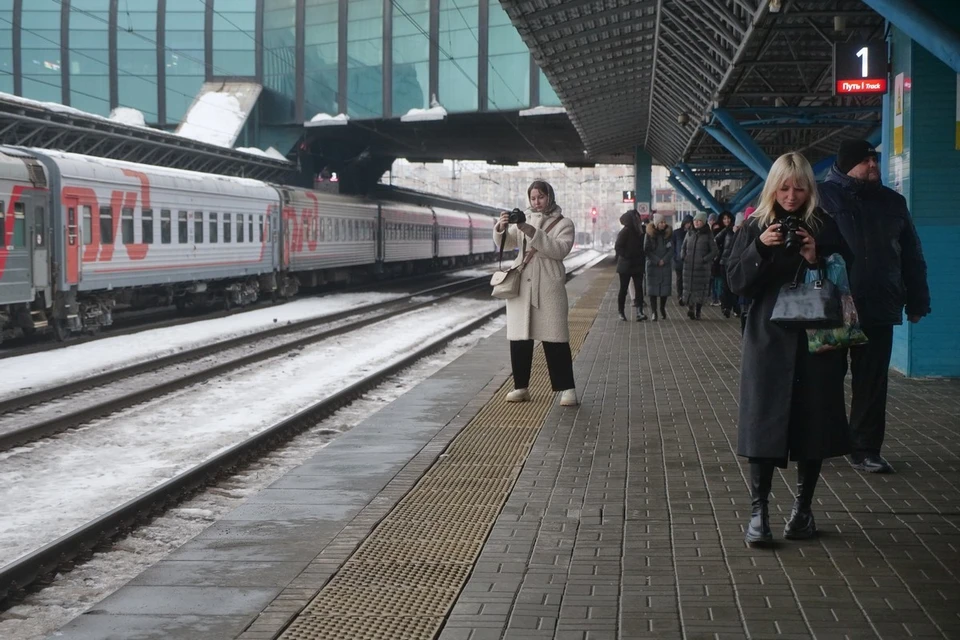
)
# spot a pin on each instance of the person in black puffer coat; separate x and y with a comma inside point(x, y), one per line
point(678, 237)
point(630, 262)
point(725, 245)
point(888, 273)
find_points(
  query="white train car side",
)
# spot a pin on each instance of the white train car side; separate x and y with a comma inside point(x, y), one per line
point(325, 234)
point(453, 233)
point(406, 232)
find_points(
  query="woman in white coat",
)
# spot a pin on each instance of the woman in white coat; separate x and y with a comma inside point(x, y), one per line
point(540, 311)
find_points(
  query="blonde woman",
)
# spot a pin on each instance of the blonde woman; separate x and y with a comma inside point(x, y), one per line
point(541, 310)
point(791, 402)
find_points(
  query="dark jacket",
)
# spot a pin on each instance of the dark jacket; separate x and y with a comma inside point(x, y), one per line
point(723, 238)
point(698, 252)
point(888, 271)
point(791, 402)
point(726, 246)
point(629, 245)
point(659, 246)
point(679, 235)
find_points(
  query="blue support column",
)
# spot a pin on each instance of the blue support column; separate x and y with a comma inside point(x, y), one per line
point(643, 172)
point(742, 137)
point(682, 190)
point(924, 27)
point(685, 174)
point(737, 150)
point(746, 194)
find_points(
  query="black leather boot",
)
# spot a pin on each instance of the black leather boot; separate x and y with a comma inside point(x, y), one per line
point(801, 524)
point(761, 479)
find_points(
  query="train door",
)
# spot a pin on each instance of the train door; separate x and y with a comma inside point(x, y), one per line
point(16, 284)
point(71, 268)
point(37, 224)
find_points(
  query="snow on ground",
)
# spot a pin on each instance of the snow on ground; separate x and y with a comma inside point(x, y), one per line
point(40, 370)
point(70, 594)
point(128, 116)
point(113, 460)
point(216, 118)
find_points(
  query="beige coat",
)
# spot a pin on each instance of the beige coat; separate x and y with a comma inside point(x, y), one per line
point(540, 311)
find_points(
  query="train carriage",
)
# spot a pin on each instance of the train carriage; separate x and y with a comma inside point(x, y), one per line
point(24, 236)
point(453, 233)
point(406, 232)
point(323, 234)
point(481, 234)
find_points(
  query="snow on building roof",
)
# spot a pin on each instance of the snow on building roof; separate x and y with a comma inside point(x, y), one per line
point(423, 115)
point(327, 120)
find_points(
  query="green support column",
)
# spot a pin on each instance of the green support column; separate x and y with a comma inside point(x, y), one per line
point(643, 170)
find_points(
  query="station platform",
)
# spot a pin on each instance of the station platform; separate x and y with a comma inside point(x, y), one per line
point(451, 514)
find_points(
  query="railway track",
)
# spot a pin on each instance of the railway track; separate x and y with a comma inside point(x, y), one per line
point(37, 568)
point(44, 427)
point(136, 321)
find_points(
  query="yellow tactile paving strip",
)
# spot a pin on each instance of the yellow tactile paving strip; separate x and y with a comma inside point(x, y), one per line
point(406, 575)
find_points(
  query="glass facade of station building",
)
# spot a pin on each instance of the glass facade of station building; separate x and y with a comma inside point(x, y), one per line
point(365, 58)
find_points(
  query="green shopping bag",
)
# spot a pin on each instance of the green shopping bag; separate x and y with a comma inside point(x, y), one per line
point(850, 334)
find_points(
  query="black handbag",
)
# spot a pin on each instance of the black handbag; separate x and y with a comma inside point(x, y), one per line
point(808, 305)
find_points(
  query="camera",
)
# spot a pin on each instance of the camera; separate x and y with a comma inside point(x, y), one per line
point(517, 217)
point(788, 229)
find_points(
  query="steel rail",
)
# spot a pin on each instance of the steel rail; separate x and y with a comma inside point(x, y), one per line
point(65, 552)
point(63, 422)
point(134, 326)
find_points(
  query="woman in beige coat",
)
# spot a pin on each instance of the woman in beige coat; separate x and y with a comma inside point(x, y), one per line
point(540, 311)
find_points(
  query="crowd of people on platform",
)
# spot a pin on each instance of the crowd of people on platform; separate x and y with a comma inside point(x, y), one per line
point(792, 399)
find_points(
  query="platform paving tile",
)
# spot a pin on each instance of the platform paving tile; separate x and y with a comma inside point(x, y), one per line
point(632, 511)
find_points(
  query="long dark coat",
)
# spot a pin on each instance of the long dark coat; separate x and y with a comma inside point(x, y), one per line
point(629, 245)
point(658, 246)
point(698, 253)
point(791, 402)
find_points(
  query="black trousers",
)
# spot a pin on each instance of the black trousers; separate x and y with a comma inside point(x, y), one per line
point(625, 285)
point(678, 269)
point(559, 363)
point(728, 299)
point(870, 365)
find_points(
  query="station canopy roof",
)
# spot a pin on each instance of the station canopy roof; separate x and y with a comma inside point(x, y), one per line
point(649, 72)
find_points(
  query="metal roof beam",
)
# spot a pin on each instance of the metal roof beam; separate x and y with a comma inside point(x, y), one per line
point(629, 22)
point(690, 52)
point(698, 33)
point(567, 5)
point(721, 11)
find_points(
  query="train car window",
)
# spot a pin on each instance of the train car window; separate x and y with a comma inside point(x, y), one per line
point(250, 228)
point(3, 224)
point(126, 225)
point(260, 225)
point(183, 228)
point(166, 231)
point(146, 226)
point(214, 219)
point(87, 224)
point(240, 227)
point(19, 226)
point(228, 227)
point(106, 225)
point(198, 227)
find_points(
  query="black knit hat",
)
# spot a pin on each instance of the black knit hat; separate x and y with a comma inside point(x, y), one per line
point(852, 153)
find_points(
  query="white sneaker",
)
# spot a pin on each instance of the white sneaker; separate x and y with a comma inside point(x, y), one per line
point(568, 398)
point(518, 395)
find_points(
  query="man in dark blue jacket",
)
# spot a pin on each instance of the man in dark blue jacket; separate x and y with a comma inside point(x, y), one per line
point(888, 273)
point(678, 237)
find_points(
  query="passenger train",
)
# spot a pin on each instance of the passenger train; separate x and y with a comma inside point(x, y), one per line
point(80, 235)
